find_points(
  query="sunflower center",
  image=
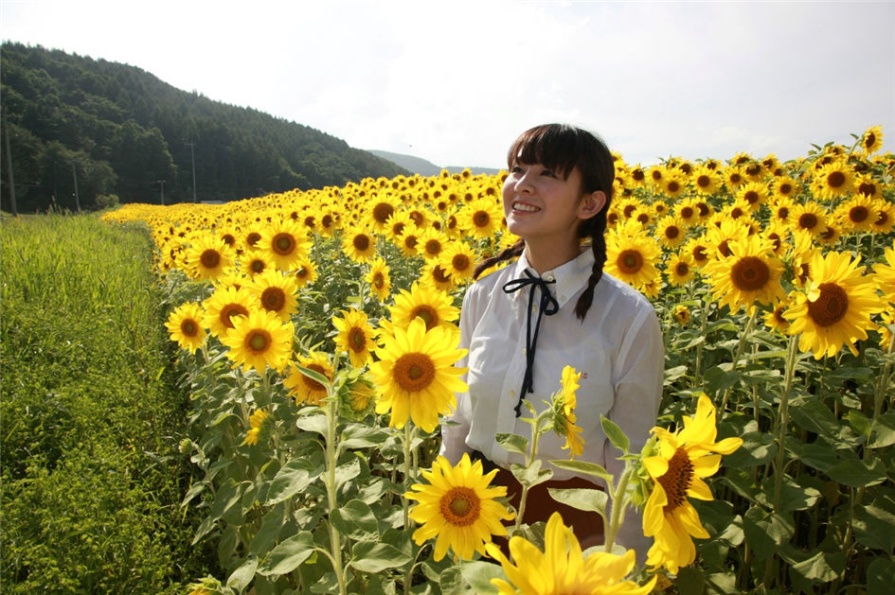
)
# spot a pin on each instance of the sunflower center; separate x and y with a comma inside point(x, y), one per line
point(411, 241)
point(273, 299)
point(440, 275)
point(752, 197)
point(724, 248)
point(677, 479)
point(283, 244)
point(433, 247)
point(310, 382)
point(258, 341)
point(750, 273)
point(808, 221)
point(229, 239)
point(361, 242)
point(460, 262)
point(785, 189)
point(836, 179)
point(378, 281)
point(460, 506)
point(687, 212)
point(253, 238)
point(700, 254)
point(674, 186)
point(257, 266)
point(189, 328)
point(357, 339)
point(858, 214)
point(630, 261)
point(210, 259)
point(414, 372)
point(481, 219)
point(382, 212)
point(867, 188)
point(704, 181)
point(870, 141)
point(830, 307)
point(427, 313)
point(229, 311)
point(681, 269)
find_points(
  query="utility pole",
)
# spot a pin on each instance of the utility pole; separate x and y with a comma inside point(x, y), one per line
point(161, 184)
point(74, 173)
point(12, 184)
point(193, 158)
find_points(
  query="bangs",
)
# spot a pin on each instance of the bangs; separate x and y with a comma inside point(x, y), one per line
point(561, 148)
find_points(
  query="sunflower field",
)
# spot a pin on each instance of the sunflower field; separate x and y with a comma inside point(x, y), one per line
point(317, 334)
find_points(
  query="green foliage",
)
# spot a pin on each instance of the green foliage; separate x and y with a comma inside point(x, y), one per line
point(91, 472)
point(115, 129)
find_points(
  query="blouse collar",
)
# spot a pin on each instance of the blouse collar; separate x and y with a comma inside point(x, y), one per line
point(570, 277)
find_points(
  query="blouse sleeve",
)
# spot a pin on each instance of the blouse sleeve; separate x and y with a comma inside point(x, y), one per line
point(455, 427)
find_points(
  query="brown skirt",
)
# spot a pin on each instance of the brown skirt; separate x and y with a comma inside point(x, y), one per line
point(587, 526)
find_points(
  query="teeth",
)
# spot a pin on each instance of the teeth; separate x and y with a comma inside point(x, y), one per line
point(525, 208)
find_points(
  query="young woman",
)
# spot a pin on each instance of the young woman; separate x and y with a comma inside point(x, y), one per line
point(550, 308)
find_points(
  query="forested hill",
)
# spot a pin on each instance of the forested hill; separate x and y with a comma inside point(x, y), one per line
point(82, 130)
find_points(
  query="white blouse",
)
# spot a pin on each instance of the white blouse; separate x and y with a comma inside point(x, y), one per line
point(618, 349)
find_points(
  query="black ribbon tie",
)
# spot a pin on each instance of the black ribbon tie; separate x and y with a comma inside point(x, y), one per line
point(548, 306)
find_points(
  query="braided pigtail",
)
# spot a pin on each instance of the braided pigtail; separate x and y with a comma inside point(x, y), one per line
point(505, 254)
point(598, 246)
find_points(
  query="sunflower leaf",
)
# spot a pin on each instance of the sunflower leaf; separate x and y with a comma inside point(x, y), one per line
point(615, 434)
point(584, 468)
point(586, 499)
point(288, 555)
point(513, 442)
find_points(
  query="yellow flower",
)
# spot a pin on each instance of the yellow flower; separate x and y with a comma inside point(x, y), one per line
point(275, 292)
point(415, 374)
point(833, 180)
point(631, 256)
point(285, 244)
point(458, 259)
point(185, 327)
point(679, 269)
point(458, 508)
point(563, 405)
point(355, 336)
point(810, 217)
point(379, 279)
point(683, 459)
point(223, 307)
point(705, 180)
point(682, 314)
point(835, 307)
point(481, 218)
point(259, 340)
point(305, 389)
point(872, 140)
point(208, 258)
point(885, 274)
point(256, 424)
point(434, 307)
point(358, 244)
point(562, 568)
point(671, 231)
point(750, 274)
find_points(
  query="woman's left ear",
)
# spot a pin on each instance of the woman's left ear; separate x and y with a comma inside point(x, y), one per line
point(591, 204)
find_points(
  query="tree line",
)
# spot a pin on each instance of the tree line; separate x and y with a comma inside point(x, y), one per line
point(82, 133)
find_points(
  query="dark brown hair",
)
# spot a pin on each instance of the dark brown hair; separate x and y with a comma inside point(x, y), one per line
point(562, 148)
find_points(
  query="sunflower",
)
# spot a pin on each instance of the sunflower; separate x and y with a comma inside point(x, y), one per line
point(885, 274)
point(677, 469)
point(285, 243)
point(379, 279)
point(833, 180)
point(381, 210)
point(434, 307)
point(562, 567)
point(253, 262)
point(355, 336)
point(671, 231)
point(705, 181)
point(224, 306)
point(358, 244)
point(275, 292)
point(867, 185)
point(458, 259)
point(885, 217)
point(687, 212)
point(208, 257)
point(775, 320)
point(432, 243)
point(784, 187)
point(256, 424)
point(438, 277)
point(750, 274)
point(259, 341)
point(872, 140)
point(679, 269)
point(631, 256)
point(458, 508)
point(753, 194)
point(481, 218)
point(305, 272)
point(563, 405)
point(415, 374)
point(810, 217)
point(305, 389)
point(835, 307)
point(185, 326)
point(682, 314)
point(720, 236)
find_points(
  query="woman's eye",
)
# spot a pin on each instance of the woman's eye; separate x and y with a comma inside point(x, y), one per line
point(548, 173)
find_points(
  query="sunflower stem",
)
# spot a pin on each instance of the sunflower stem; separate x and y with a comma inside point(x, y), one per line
point(537, 429)
point(741, 346)
point(335, 538)
point(619, 504)
point(408, 439)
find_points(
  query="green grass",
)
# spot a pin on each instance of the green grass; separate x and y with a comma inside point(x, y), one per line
point(90, 416)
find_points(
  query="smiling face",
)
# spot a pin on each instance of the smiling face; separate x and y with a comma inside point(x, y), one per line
point(545, 209)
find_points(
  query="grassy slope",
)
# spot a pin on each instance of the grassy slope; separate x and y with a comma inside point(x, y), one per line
point(90, 418)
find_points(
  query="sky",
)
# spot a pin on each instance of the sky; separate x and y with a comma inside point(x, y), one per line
point(455, 82)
